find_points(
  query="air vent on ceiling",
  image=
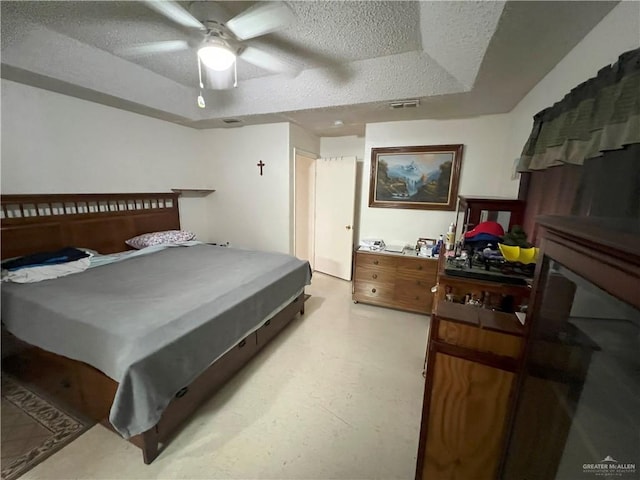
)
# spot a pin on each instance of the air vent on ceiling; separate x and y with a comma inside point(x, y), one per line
point(404, 104)
point(231, 121)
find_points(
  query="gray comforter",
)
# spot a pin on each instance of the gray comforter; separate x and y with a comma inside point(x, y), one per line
point(153, 323)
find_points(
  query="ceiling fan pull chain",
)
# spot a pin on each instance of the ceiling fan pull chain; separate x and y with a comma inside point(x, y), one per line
point(201, 103)
point(235, 73)
point(200, 73)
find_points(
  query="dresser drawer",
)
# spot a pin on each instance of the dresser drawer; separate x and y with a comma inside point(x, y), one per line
point(376, 275)
point(375, 291)
point(417, 303)
point(414, 285)
point(373, 260)
point(480, 339)
point(415, 268)
point(415, 292)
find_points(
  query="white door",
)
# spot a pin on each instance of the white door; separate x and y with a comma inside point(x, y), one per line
point(335, 209)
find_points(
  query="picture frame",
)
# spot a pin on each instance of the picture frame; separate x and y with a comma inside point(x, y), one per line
point(422, 177)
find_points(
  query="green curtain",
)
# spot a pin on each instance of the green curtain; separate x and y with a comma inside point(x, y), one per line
point(598, 115)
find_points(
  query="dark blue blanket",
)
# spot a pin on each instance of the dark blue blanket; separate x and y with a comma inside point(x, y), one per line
point(64, 255)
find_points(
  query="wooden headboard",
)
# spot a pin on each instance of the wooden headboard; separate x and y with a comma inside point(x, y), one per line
point(38, 223)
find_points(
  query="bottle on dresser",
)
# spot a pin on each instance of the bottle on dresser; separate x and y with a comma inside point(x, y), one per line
point(439, 246)
point(451, 237)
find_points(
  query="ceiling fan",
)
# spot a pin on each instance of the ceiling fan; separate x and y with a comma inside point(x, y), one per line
point(221, 43)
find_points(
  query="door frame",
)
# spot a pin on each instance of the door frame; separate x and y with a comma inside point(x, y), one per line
point(292, 247)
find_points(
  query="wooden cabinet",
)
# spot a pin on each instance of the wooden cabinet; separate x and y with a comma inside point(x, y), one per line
point(493, 295)
point(400, 281)
point(472, 363)
point(494, 288)
point(540, 401)
point(581, 366)
point(466, 419)
point(472, 370)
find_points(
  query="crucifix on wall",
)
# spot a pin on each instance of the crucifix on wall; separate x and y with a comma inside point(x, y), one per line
point(261, 164)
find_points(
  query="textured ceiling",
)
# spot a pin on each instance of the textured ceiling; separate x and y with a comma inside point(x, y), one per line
point(354, 57)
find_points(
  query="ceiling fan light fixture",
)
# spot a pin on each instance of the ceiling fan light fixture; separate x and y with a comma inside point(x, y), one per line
point(217, 57)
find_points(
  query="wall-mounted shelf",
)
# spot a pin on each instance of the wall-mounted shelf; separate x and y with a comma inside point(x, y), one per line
point(193, 192)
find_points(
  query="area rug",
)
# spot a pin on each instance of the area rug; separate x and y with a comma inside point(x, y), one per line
point(32, 428)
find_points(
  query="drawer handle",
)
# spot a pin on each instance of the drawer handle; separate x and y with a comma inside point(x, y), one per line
point(419, 267)
point(374, 276)
point(242, 343)
point(267, 323)
point(373, 290)
point(417, 297)
point(418, 282)
point(375, 262)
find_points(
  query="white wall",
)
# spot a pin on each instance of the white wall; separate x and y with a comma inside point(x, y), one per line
point(52, 143)
point(484, 172)
point(618, 32)
point(300, 139)
point(249, 210)
point(349, 146)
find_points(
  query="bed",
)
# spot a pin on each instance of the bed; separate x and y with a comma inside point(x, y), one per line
point(147, 339)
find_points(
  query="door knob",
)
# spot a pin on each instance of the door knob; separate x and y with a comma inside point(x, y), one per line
point(348, 227)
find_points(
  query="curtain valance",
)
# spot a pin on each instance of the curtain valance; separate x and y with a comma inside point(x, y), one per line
point(600, 114)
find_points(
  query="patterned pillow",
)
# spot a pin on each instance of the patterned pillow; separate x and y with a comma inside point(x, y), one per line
point(158, 238)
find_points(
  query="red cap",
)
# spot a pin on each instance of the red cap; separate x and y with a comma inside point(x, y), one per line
point(492, 228)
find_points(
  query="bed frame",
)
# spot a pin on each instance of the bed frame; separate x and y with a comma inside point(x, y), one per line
point(35, 223)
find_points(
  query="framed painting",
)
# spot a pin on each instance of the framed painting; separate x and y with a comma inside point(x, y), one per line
point(423, 177)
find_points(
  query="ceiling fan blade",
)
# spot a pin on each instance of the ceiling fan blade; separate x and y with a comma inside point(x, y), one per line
point(152, 47)
point(175, 12)
point(267, 61)
point(261, 19)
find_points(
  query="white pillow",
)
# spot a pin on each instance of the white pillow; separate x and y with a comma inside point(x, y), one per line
point(159, 238)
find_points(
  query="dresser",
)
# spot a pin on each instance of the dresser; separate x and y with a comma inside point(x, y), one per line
point(396, 280)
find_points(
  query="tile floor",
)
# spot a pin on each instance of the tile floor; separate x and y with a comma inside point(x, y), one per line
point(337, 395)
